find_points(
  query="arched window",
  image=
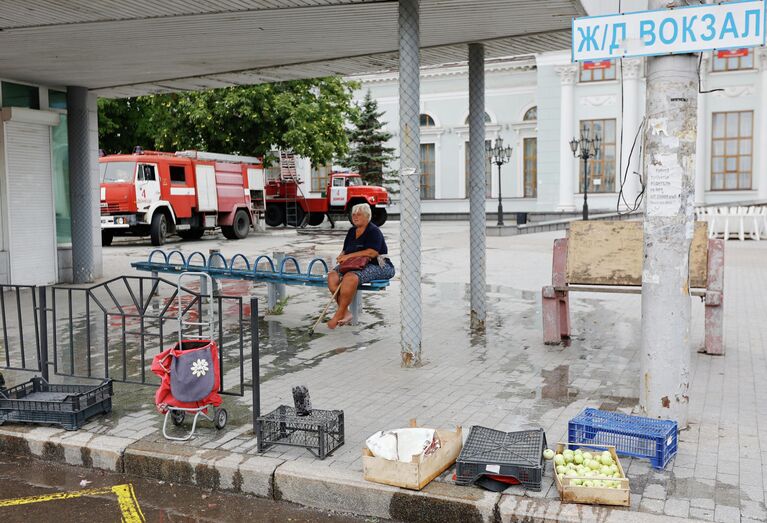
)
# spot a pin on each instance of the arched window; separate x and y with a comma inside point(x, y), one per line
point(487, 119)
point(531, 114)
point(426, 120)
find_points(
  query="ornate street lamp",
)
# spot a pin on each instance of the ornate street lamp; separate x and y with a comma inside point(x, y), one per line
point(584, 149)
point(499, 155)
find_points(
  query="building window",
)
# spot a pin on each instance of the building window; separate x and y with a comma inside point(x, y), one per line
point(17, 95)
point(597, 71)
point(320, 177)
point(602, 168)
point(487, 119)
point(427, 171)
point(57, 99)
point(732, 60)
point(530, 166)
point(426, 121)
point(488, 170)
point(731, 150)
point(531, 114)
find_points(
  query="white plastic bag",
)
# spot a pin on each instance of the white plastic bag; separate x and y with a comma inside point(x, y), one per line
point(402, 444)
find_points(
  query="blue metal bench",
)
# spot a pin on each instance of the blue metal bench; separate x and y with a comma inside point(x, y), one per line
point(287, 271)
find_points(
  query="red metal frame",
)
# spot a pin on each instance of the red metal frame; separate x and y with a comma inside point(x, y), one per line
point(556, 301)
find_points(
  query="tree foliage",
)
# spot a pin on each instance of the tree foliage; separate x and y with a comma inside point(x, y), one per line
point(368, 153)
point(307, 117)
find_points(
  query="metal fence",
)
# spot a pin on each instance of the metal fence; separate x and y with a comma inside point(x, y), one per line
point(20, 328)
point(114, 329)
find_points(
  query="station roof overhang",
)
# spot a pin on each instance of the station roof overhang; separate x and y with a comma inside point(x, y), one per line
point(137, 47)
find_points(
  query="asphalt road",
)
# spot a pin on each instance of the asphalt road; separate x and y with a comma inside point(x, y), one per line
point(35, 491)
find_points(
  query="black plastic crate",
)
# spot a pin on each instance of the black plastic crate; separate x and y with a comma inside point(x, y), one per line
point(321, 432)
point(489, 452)
point(70, 406)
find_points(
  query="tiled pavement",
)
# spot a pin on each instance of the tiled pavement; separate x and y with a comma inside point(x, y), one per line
point(506, 378)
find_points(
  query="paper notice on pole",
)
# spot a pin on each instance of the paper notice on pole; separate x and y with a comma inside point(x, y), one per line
point(664, 186)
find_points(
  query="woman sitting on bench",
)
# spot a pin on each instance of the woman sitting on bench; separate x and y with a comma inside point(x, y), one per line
point(362, 260)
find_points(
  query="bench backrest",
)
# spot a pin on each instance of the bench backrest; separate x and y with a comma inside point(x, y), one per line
point(611, 253)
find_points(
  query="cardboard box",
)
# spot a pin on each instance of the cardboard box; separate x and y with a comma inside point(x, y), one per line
point(418, 473)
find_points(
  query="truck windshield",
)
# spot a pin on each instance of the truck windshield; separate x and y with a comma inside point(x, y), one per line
point(353, 180)
point(117, 172)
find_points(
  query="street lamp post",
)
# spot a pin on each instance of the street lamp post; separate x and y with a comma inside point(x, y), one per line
point(499, 155)
point(584, 149)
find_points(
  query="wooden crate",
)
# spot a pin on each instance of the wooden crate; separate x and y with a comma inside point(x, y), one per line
point(571, 493)
point(418, 473)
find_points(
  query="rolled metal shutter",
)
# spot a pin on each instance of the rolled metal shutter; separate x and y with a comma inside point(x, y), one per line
point(31, 214)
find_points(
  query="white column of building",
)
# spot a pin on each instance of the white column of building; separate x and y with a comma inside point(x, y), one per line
point(701, 144)
point(632, 112)
point(761, 159)
point(566, 130)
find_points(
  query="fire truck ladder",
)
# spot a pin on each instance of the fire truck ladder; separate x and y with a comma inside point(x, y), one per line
point(288, 173)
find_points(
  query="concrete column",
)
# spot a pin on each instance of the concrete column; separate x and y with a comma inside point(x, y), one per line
point(669, 163)
point(567, 130)
point(760, 174)
point(701, 145)
point(477, 155)
point(84, 192)
point(632, 116)
point(410, 181)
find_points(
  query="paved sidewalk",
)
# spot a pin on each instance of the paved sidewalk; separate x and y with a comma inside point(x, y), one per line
point(505, 378)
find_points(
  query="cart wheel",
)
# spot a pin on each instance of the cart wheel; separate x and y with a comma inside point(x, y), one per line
point(221, 417)
point(178, 417)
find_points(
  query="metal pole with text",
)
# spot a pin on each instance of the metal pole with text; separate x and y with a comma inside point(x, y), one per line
point(669, 165)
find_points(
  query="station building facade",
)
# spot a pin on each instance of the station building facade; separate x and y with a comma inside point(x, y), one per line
point(35, 207)
point(537, 104)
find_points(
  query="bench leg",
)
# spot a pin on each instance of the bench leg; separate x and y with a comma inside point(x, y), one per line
point(564, 315)
point(714, 322)
point(556, 315)
point(356, 307)
point(275, 293)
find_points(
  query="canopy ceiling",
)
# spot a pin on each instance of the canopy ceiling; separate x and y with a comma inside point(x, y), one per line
point(123, 48)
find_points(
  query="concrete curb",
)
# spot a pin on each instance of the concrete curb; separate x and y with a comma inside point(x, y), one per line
point(306, 483)
point(72, 448)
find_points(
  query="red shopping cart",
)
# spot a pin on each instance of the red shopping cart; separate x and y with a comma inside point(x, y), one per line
point(190, 376)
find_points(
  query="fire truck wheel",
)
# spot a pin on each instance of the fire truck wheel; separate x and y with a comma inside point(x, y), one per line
point(159, 229)
point(106, 238)
point(240, 226)
point(316, 218)
point(275, 215)
point(379, 215)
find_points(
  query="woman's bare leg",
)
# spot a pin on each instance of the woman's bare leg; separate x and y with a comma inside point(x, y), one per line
point(334, 280)
point(345, 296)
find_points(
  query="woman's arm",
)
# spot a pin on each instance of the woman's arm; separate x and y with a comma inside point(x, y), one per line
point(368, 253)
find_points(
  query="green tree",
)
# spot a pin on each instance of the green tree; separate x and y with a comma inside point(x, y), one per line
point(368, 153)
point(307, 117)
point(124, 124)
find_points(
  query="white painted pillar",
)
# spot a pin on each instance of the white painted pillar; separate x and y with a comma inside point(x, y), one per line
point(702, 158)
point(567, 130)
point(632, 75)
point(761, 154)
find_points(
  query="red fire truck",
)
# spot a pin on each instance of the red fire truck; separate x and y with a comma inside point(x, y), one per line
point(286, 205)
point(154, 194)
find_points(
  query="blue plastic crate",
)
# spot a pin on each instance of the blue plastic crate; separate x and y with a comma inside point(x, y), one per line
point(635, 436)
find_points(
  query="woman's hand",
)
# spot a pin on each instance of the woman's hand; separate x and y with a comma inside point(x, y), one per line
point(342, 257)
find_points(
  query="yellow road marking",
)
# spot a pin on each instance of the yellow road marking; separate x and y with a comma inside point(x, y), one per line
point(126, 499)
point(129, 507)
